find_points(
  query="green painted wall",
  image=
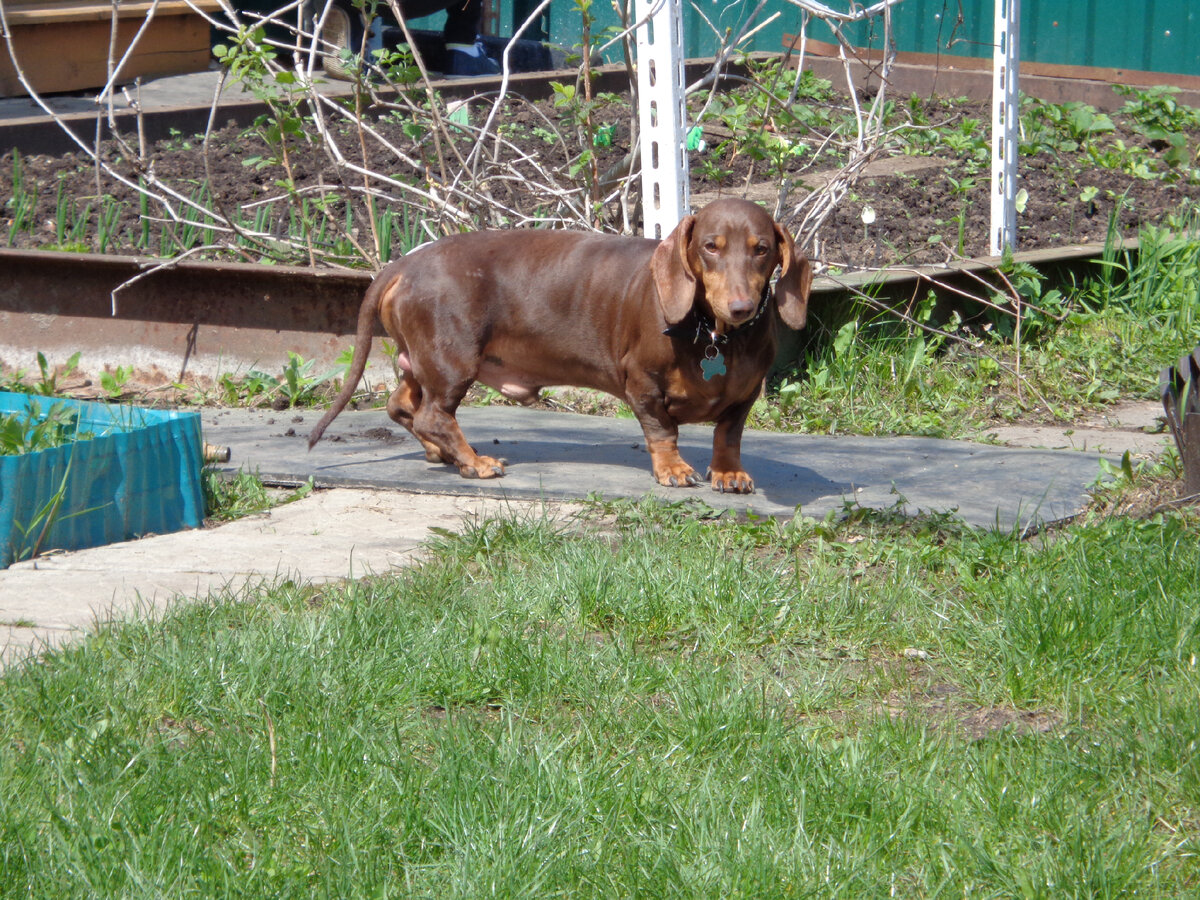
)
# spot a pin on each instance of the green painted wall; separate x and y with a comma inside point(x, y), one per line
point(1149, 35)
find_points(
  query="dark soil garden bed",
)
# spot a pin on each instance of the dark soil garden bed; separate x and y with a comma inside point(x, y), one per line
point(928, 192)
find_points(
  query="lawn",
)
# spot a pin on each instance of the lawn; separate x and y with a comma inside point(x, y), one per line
point(643, 702)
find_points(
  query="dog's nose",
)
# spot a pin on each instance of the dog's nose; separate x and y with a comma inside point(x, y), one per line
point(741, 308)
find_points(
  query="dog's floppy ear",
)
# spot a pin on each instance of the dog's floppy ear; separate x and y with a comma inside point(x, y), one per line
point(795, 281)
point(674, 280)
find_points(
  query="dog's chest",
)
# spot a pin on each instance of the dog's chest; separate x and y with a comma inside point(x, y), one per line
point(702, 385)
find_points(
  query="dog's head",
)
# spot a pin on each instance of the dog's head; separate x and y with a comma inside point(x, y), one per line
point(723, 257)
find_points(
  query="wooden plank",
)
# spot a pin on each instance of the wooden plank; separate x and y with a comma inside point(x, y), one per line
point(73, 56)
point(46, 11)
point(948, 61)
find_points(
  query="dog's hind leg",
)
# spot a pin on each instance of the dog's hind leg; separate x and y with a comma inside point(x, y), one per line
point(402, 406)
point(434, 425)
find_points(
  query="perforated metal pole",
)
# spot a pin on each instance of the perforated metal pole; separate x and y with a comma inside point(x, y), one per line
point(1005, 113)
point(665, 194)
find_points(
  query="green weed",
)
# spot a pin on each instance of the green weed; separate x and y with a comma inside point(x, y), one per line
point(23, 202)
point(1055, 127)
point(1162, 119)
point(49, 376)
point(228, 497)
point(36, 429)
point(113, 382)
point(295, 385)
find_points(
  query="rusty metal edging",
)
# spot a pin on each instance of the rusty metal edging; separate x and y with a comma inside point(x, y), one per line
point(199, 317)
point(834, 298)
point(905, 284)
point(205, 318)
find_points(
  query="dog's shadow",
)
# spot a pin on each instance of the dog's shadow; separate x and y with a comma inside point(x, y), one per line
point(567, 456)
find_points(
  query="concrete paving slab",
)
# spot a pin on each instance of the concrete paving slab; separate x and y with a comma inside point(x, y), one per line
point(194, 90)
point(327, 536)
point(384, 498)
point(1137, 427)
point(565, 456)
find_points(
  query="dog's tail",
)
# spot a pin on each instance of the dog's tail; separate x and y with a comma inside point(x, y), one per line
point(367, 315)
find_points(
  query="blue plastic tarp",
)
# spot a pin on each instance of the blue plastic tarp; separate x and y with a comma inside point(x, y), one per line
point(139, 474)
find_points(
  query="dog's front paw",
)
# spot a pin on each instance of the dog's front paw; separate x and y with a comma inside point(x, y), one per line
point(482, 467)
point(736, 482)
point(678, 475)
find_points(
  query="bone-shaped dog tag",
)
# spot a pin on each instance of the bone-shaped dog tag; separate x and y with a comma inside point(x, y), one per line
point(713, 366)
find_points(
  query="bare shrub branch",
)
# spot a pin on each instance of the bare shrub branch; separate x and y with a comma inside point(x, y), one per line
point(397, 154)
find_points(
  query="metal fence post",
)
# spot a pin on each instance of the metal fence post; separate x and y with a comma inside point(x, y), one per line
point(661, 114)
point(1005, 119)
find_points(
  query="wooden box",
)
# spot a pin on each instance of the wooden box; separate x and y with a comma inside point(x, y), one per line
point(63, 45)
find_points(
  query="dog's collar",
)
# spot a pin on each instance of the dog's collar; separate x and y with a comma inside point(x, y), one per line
point(698, 326)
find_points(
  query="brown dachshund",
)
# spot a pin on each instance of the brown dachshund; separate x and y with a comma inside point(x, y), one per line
point(682, 330)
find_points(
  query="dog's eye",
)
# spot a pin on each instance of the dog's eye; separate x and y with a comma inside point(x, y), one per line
point(710, 246)
point(761, 250)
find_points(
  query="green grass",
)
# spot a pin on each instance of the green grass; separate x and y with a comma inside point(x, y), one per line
point(1102, 340)
point(653, 704)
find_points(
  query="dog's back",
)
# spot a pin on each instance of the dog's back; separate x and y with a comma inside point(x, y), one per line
point(566, 314)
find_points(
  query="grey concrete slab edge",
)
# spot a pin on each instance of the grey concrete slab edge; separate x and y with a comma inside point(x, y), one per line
point(558, 456)
point(327, 536)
